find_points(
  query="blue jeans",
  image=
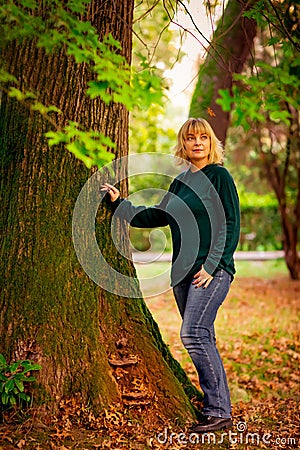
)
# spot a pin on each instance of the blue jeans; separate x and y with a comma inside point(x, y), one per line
point(198, 308)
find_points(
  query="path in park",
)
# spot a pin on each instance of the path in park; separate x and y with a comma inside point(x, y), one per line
point(144, 257)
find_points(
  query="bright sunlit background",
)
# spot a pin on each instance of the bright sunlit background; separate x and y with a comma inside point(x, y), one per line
point(193, 43)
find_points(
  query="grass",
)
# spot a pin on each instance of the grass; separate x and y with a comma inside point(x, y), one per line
point(261, 269)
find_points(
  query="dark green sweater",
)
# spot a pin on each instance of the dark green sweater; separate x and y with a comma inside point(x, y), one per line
point(202, 210)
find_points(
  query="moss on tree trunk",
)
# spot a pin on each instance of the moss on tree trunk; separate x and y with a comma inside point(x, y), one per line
point(50, 311)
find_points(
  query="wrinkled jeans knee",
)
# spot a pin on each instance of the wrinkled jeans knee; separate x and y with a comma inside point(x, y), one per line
point(192, 339)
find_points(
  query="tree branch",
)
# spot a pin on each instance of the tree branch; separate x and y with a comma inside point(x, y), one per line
point(146, 13)
point(193, 22)
point(197, 29)
point(283, 27)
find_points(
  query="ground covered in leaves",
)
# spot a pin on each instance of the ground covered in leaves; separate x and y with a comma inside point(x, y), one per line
point(258, 338)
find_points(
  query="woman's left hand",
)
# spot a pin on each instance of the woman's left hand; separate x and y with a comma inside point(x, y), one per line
point(112, 191)
point(202, 278)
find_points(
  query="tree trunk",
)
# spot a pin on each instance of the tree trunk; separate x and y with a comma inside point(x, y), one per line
point(278, 177)
point(290, 224)
point(230, 48)
point(50, 311)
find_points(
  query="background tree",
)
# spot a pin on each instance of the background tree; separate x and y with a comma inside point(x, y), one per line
point(264, 101)
point(228, 51)
point(51, 312)
point(265, 104)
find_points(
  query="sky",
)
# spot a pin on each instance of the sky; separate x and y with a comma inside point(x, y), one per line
point(184, 74)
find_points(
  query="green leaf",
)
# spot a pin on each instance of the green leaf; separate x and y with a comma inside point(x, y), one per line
point(14, 366)
point(273, 41)
point(99, 89)
point(29, 379)
point(77, 6)
point(16, 93)
point(29, 365)
point(56, 137)
point(109, 39)
point(20, 376)
point(19, 384)
point(36, 367)
point(37, 106)
point(280, 116)
point(12, 400)
point(2, 361)
point(4, 398)
point(32, 4)
point(225, 100)
point(24, 397)
point(6, 76)
point(9, 386)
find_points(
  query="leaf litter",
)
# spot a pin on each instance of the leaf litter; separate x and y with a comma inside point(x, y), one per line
point(258, 338)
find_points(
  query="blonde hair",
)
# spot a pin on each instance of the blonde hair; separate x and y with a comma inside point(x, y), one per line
point(198, 126)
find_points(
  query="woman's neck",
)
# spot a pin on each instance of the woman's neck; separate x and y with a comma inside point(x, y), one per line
point(198, 166)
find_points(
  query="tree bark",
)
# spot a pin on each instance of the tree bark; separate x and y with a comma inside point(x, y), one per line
point(229, 50)
point(278, 175)
point(50, 311)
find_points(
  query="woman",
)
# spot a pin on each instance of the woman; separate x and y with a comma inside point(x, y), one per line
point(202, 209)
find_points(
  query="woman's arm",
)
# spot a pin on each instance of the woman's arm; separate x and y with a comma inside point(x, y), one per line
point(228, 233)
point(138, 216)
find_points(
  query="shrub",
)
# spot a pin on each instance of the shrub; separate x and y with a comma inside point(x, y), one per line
point(15, 379)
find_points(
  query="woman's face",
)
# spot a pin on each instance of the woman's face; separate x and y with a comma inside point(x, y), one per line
point(197, 146)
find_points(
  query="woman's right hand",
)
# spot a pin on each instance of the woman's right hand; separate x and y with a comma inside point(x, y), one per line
point(112, 191)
